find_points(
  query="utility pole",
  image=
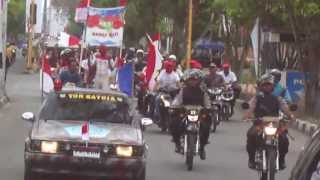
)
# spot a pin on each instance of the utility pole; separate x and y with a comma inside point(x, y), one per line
point(4, 15)
point(30, 41)
point(189, 43)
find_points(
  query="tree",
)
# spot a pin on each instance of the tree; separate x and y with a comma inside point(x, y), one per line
point(16, 18)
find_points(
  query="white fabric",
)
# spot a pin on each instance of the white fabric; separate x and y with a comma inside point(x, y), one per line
point(168, 81)
point(103, 67)
point(47, 81)
point(230, 78)
point(102, 82)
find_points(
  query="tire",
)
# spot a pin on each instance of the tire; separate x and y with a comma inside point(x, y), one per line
point(191, 140)
point(141, 176)
point(264, 176)
point(272, 157)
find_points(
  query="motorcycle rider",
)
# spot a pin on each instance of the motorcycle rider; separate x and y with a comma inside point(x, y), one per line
point(279, 90)
point(167, 80)
point(262, 105)
point(191, 94)
point(140, 61)
point(213, 79)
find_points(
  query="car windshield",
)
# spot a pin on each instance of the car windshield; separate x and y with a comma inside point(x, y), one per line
point(56, 108)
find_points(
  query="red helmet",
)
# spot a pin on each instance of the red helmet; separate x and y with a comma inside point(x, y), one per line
point(195, 64)
point(226, 66)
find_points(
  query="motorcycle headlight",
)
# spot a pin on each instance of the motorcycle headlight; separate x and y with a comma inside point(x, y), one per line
point(124, 151)
point(193, 118)
point(269, 130)
point(166, 103)
point(49, 147)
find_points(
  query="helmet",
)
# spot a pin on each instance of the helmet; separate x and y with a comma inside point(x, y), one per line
point(195, 64)
point(266, 78)
point(140, 51)
point(226, 65)
point(173, 57)
point(212, 65)
point(276, 73)
point(193, 74)
point(65, 52)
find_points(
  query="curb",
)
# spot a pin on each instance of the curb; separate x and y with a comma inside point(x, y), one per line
point(305, 127)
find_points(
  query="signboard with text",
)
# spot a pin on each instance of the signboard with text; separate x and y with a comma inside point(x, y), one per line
point(105, 26)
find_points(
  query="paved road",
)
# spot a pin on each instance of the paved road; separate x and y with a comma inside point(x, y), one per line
point(226, 159)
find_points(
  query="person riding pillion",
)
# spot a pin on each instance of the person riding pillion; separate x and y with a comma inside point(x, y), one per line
point(279, 90)
point(262, 105)
point(192, 94)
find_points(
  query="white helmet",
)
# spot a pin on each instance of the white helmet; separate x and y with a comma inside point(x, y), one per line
point(140, 51)
point(173, 57)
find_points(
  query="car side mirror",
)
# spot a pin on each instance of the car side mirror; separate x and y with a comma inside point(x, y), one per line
point(245, 106)
point(293, 107)
point(28, 116)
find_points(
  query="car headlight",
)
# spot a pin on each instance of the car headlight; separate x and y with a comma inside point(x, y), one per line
point(124, 151)
point(49, 147)
point(270, 130)
point(193, 118)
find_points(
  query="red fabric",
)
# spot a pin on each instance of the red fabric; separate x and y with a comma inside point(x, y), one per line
point(46, 68)
point(85, 128)
point(103, 53)
point(195, 64)
point(151, 62)
point(122, 2)
point(73, 40)
point(93, 21)
point(84, 3)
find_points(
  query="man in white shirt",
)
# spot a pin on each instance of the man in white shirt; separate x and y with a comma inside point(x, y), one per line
point(228, 76)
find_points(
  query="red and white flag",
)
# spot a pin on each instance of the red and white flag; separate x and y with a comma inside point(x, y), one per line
point(85, 132)
point(66, 40)
point(154, 61)
point(82, 11)
point(46, 81)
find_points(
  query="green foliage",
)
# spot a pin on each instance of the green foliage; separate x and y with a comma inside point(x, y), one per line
point(16, 18)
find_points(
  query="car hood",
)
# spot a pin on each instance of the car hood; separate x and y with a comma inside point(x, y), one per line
point(106, 133)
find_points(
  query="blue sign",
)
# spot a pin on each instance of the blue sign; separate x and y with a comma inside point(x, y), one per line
point(295, 85)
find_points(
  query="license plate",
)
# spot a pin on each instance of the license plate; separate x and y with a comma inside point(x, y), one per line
point(84, 154)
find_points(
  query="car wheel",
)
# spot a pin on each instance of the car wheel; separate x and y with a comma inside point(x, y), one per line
point(141, 176)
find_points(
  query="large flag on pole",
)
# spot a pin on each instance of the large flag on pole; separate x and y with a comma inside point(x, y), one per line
point(105, 26)
point(125, 79)
point(154, 61)
point(46, 80)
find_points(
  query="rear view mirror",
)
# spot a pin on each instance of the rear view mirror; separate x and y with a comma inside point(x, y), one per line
point(293, 107)
point(245, 106)
point(28, 116)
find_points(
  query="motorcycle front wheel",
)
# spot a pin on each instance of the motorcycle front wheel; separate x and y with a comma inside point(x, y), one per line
point(191, 146)
point(272, 157)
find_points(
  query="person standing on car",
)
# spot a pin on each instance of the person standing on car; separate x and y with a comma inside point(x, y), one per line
point(262, 105)
point(192, 94)
point(103, 69)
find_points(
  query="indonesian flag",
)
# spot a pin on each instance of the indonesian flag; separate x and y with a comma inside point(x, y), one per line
point(46, 80)
point(85, 132)
point(66, 40)
point(82, 11)
point(154, 61)
point(122, 2)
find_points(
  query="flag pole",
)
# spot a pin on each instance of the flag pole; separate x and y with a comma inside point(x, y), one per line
point(30, 41)
point(42, 81)
point(84, 35)
point(189, 44)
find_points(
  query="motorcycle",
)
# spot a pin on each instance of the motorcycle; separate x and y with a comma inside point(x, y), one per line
point(216, 103)
point(190, 140)
point(166, 98)
point(267, 155)
point(227, 98)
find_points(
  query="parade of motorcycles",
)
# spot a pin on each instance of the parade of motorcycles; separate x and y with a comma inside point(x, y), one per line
point(150, 90)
